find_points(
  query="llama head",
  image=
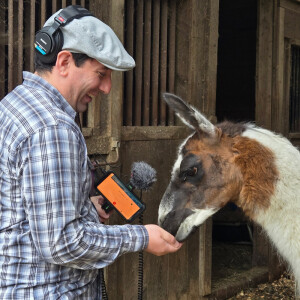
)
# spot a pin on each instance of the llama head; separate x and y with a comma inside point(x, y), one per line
point(215, 165)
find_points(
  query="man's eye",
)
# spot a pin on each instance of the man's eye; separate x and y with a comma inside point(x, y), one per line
point(100, 74)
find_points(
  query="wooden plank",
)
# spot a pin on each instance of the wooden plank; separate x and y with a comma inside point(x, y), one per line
point(155, 61)
point(247, 279)
point(146, 133)
point(205, 258)
point(171, 55)
point(32, 35)
point(264, 65)
point(3, 37)
point(213, 25)
point(163, 59)
point(54, 6)
point(10, 44)
point(129, 75)
point(278, 111)
point(43, 13)
point(292, 5)
point(292, 24)
point(139, 62)
point(203, 56)
point(116, 96)
point(147, 63)
point(183, 43)
point(63, 3)
point(260, 247)
point(20, 42)
point(91, 114)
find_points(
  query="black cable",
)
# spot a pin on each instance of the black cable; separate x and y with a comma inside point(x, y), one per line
point(141, 264)
point(101, 282)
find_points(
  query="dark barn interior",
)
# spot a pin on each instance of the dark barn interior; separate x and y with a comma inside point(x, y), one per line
point(232, 232)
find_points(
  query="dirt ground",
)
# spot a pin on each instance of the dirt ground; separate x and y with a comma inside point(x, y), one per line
point(281, 289)
point(229, 261)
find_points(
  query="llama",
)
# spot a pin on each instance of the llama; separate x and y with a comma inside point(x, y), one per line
point(252, 167)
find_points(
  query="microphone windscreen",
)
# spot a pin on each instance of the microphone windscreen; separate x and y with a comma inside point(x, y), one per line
point(142, 175)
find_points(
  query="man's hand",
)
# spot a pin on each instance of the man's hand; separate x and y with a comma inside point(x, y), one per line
point(98, 201)
point(161, 242)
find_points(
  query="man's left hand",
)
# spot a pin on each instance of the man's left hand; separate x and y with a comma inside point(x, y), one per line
point(98, 201)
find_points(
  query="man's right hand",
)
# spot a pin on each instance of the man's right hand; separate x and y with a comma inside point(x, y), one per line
point(161, 242)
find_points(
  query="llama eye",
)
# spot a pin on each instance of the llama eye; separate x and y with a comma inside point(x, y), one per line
point(188, 173)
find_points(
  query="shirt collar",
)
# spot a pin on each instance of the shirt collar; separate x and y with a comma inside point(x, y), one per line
point(37, 82)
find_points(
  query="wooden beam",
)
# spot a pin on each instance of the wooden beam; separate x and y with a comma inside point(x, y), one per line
point(147, 63)
point(10, 44)
point(205, 258)
point(278, 107)
point(20, 42)
point(264, 55)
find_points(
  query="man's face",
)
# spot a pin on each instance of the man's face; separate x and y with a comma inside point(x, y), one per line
point(88, 80)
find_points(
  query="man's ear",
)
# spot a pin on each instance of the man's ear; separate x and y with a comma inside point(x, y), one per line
point(63, 62)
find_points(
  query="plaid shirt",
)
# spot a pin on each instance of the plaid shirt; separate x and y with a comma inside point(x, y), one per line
point(51, 240)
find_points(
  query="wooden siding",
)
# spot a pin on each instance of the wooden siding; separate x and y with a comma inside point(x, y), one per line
point(150, 38)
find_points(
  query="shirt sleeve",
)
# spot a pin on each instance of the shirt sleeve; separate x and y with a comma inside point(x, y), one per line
point(59, 211)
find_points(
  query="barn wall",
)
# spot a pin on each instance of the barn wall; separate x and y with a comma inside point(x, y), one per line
point(172, 276)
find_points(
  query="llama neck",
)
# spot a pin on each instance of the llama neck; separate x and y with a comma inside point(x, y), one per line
point(281, 223)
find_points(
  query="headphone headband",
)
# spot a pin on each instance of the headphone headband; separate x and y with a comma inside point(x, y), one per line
point(70, 13)
point(49, 40)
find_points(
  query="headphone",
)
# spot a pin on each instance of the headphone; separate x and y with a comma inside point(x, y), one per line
point(49, 40)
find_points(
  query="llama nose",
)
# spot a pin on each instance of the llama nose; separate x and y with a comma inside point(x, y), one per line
point(169, 223)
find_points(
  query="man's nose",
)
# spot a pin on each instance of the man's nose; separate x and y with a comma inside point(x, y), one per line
point(105, 85)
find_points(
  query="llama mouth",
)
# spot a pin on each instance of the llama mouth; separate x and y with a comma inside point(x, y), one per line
point(193, 221)
point(182, 238)
point(174, 220)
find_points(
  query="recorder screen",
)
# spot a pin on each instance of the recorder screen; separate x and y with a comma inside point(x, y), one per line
point(119, 196)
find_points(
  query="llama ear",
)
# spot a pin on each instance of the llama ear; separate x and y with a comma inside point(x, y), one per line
point(189, 115)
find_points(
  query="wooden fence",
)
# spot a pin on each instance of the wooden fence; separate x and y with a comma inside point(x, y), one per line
point(150, 37)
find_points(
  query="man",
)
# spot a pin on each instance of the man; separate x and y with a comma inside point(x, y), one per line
point(52, 242)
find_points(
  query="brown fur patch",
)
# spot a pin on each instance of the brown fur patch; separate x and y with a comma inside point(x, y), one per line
point(259, 172)
point(222, 181)
point(237, 169)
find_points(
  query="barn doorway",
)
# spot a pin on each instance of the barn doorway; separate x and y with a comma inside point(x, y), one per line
point(235, 101)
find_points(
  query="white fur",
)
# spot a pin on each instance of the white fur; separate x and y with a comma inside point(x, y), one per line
point(168, 205)
point(180, 157)
point(194, 220)
point(204, 124)
point(281, 220)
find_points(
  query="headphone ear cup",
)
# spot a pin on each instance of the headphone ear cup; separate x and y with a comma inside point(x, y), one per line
point(55, 42)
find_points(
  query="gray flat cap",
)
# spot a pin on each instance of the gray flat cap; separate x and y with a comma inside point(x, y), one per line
point(94, 38)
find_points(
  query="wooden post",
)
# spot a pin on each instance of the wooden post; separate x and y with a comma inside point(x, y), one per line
point(297, 294)
point(3, 43)
point(205, 258)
